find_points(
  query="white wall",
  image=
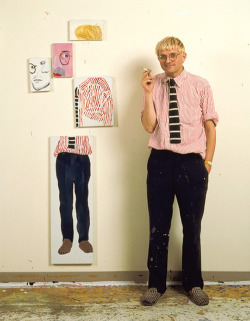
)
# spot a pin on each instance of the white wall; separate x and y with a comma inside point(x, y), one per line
point(217, 39)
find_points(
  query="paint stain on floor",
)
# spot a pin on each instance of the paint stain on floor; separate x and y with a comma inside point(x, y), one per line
point(121, 303)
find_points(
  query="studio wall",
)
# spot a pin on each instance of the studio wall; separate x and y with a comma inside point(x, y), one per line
point(217, 40)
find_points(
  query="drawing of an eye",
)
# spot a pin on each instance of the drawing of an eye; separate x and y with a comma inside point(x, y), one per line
point(32, 68)
point(64, 57)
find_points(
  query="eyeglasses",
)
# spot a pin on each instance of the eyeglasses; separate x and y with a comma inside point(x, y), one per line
point(172, 57)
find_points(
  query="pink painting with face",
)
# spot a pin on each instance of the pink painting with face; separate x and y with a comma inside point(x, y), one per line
point(62, 60)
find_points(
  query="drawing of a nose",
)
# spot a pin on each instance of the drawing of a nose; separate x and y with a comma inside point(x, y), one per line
point(44, 69)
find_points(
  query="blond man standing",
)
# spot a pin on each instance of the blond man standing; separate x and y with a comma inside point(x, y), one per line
point(178, 110)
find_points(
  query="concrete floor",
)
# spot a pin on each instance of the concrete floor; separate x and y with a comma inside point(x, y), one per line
point(76, 302)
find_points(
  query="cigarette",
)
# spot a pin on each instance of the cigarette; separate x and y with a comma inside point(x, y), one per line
point(145, 69)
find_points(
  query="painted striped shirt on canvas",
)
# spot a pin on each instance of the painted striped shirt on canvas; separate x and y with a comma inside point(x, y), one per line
point(75, 145)
point(95, 101)
point(196, 105)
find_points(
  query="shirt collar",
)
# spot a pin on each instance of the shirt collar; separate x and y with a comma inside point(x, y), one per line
point(178, 80)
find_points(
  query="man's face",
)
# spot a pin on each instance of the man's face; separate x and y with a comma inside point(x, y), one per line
point(39, 73)
point(172, 67)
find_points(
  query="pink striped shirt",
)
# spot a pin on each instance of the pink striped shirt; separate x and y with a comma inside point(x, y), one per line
point(95, 101)
point(81, 146)
point(195, 104)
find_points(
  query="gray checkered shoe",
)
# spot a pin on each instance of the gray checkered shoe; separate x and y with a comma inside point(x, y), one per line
point(150, 297)
point(199, 297)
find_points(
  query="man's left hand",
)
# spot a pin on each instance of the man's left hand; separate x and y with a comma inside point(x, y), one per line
point(208, 167)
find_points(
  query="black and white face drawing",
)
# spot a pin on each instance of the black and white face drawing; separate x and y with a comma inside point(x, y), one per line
point(39, 69)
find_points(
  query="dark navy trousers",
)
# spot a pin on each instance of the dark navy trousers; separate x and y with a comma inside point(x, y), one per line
point(184, 176)
point(73, 169)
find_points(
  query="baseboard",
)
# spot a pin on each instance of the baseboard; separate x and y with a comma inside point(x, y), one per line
point(134, 276)
point(137, 276)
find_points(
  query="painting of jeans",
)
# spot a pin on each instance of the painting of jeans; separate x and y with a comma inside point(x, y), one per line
point(71, 199)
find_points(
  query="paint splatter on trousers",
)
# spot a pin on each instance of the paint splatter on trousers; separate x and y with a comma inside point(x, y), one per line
point(184, 176)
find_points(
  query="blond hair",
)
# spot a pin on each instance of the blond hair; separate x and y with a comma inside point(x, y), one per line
point(88, 32)
point(169, 43)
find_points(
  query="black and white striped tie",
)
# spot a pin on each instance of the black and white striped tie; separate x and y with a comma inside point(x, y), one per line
point(174, 121)
point(71, 142)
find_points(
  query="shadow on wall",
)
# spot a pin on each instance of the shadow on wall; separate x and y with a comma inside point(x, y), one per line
point(136, 152)
point(134, 142)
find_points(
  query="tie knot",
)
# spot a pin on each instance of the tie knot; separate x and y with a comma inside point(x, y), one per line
point(172, 82)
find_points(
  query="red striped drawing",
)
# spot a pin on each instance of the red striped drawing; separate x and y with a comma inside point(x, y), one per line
point(93, 101)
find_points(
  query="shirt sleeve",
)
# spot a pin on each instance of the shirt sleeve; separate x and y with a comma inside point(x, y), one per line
point(56, 151)
point(58, 147)
point(207, 105)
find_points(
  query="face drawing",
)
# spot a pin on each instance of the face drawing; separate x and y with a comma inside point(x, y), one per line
point(62, 60)
point(39, 69)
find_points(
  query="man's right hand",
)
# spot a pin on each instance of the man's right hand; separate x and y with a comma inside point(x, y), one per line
point(147, 81)
point(149, 115)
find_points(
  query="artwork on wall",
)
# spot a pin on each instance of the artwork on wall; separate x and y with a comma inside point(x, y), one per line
point(39, 71)
point(86, 30)
point(93, 101)
point(62, 57)
point(71, 199)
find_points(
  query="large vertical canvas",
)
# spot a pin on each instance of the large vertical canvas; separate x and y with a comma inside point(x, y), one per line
point(93, 101)
point(71, 181)
point(86, 30)
point(62, 60)
point(39, 74)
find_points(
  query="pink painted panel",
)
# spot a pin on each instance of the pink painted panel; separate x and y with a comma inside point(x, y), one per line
point(62, 60)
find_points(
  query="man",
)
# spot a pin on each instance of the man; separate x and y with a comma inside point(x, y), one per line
point(178, 111)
